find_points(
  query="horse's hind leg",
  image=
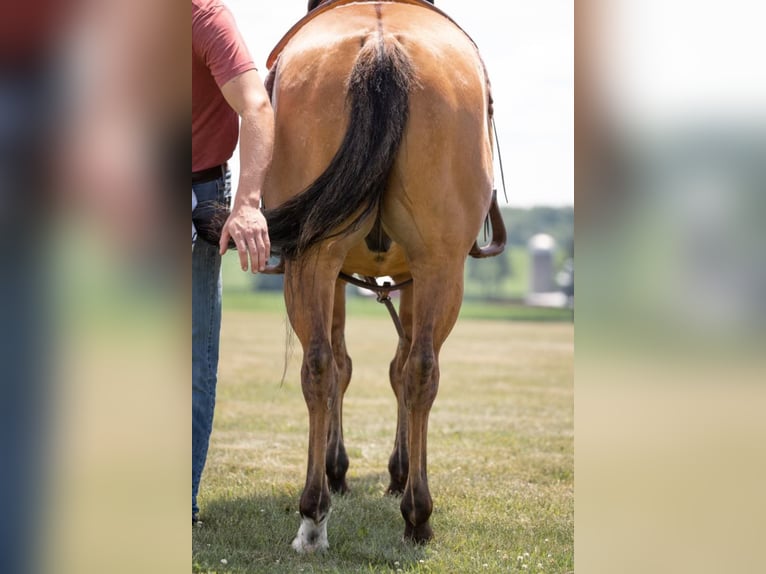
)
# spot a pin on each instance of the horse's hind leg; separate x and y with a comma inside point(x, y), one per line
point(398, 462)
point(309, 294)
point(337, 459)
point(437, 297)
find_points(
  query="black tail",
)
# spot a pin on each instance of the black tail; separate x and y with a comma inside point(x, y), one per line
point(378, 100)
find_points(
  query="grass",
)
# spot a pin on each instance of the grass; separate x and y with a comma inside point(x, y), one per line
point(271, 301)
point(500, 452)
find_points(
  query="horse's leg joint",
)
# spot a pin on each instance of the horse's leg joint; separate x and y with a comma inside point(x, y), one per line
point(422, 378)
point(398, 468)
point(317, 380)
point(315, 502)
point(336, 463)
point(416, 508)
point(422, 363)
point(319, 359)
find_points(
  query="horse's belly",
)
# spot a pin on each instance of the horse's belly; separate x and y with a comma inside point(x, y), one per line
point(365, 262)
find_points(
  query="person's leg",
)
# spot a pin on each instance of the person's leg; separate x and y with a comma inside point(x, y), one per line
point(206, 325)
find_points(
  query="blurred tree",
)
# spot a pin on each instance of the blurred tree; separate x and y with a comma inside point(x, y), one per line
point(522, 224)
point(490, 273)
point(499, 277)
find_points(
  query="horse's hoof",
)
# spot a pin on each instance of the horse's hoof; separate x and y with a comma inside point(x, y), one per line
point(396, 487)
point(338, 486)
point(312, 536)
point(418, 534)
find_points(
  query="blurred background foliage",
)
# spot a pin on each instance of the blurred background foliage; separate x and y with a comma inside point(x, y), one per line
point(507, 276)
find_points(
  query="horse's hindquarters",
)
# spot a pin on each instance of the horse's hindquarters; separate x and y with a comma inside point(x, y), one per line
point(381, 124)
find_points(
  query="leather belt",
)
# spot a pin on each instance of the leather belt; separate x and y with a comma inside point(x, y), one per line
point(209, 174)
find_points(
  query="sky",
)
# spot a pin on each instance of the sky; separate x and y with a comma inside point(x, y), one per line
point(528, 47)
point(667, 64)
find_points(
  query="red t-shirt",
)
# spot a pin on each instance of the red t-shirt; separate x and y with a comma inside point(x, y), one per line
point(29, 29)
point(218, 55)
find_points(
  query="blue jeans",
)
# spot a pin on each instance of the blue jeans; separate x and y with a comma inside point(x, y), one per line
point(206, 328)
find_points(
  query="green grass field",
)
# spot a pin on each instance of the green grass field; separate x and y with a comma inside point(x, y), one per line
point(500, 450)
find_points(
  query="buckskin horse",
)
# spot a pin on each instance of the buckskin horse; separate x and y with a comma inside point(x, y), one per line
point(382, 166)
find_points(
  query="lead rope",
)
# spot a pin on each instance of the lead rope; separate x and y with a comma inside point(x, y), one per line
point(382, 292)
point(385, 298)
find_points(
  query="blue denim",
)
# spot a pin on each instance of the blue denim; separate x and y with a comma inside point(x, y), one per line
point(28, 114)
point(206, 328)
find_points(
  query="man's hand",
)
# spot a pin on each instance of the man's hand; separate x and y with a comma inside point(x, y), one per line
point(247, 227)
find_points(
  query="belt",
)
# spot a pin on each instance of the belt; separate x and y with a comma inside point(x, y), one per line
point(209, 174)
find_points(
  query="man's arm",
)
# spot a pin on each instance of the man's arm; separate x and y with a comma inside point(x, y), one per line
point(246, 225)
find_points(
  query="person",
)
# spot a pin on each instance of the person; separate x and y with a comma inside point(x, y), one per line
point(226, 87)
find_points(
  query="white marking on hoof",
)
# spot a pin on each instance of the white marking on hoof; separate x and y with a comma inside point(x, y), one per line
point(312, 536)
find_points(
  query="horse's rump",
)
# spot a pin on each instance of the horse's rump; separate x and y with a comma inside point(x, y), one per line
point(346, 87)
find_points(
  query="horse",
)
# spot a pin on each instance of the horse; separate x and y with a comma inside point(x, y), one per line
point(382, 166)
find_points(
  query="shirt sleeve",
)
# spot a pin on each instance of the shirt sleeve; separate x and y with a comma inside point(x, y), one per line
point(218, 43)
